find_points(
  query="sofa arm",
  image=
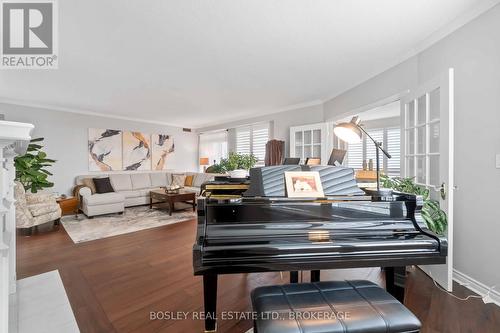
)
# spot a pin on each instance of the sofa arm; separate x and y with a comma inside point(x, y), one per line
point(85, 191)
point(36, 198)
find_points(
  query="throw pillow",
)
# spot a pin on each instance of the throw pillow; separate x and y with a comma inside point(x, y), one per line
point(89, 182)
point(103, 185)
point(189, 180)
point(178, 179)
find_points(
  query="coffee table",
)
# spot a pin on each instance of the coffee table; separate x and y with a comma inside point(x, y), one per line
point(160, 196)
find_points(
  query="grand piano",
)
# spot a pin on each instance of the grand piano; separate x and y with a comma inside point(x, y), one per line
point(259, 233)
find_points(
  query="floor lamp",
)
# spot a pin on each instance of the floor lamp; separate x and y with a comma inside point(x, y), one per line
point(352, 132)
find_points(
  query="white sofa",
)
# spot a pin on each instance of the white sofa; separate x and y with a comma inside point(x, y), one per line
point(131, 189)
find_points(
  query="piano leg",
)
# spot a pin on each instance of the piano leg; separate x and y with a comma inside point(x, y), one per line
point(294, 277)
point(210, 299)
point(395, 278)
point(315, 276)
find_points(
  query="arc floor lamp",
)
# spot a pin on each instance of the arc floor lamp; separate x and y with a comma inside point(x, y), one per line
point(352, 132)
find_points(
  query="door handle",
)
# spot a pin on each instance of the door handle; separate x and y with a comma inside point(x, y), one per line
point(442, 191)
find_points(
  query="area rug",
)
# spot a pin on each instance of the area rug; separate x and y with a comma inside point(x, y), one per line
point(81, 229)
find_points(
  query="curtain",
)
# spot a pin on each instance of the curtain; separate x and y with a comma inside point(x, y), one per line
point(274, 152)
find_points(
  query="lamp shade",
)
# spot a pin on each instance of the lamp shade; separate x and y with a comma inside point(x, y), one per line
point(349, 132)
point(204, 161)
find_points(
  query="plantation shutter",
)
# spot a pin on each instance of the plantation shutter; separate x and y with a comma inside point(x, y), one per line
point(252, 139)
point(243, 144)
point(393, 147)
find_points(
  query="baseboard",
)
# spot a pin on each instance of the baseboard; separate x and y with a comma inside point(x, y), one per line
point(476, 286)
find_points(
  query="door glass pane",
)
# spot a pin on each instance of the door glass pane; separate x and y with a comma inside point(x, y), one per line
point(434, 129)
point(411, 141)
point(307, 137)
point(317, 151)
point(410, 116)
point(298, 151)
point(434, 104)
point(410, 167)
point(421, 170)
point(307, 151)
point(434, 170)
point(422, 109)
point(298, 138)
point(421, 140)
point(317, 136)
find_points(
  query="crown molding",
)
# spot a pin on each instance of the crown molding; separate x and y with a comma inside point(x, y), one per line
point(216, 126)
point(84, 112)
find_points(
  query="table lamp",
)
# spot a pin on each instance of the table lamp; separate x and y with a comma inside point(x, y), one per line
point(352, 132)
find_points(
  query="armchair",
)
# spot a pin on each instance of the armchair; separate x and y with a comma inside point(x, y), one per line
point(33, 209)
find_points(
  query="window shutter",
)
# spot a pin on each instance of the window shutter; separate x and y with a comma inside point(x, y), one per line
point(377, 135)
point(243, 144)
point(393, 147)
point(260, 136)
point(355, 155)
point(252, 140)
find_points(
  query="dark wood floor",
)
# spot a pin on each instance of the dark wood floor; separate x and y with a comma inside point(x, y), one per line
point(113, 284)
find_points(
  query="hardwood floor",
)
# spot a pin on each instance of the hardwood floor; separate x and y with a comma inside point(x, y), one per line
point(113, 284)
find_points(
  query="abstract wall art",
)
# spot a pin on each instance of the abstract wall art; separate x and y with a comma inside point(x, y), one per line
point(105, 149)
point(163, 145)
point(136, 151)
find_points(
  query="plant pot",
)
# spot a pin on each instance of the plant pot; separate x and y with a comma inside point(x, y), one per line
point(238, 173)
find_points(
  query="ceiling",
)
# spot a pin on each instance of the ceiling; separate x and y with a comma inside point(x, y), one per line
point(196, 63)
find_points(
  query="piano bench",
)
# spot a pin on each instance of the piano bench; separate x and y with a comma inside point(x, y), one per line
point(330, 307)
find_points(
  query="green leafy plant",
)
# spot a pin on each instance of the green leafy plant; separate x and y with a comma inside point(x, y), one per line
point(435, 218)
point(236, 161)
point(31, 167)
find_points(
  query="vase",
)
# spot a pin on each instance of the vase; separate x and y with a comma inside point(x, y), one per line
point(238, 173)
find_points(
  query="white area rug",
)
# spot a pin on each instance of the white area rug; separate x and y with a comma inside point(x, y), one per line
point(82, 229)
point(44, 306)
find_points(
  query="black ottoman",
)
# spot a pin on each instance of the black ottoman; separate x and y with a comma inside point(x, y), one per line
point(330, 307)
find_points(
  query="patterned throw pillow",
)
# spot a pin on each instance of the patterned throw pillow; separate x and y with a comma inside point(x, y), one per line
point(178, 179)
point(189, 180)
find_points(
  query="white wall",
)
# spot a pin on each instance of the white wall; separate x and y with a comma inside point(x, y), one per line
point(474, 52)
point(66, 136)
point(280, 122)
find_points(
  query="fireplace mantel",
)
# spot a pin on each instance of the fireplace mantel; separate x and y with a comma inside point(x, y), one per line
point(14, 139)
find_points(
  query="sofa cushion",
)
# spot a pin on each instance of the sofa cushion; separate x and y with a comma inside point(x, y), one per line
point(104, 199)
point(103, 185)
point(140, 180)
point(39, 209)
point(201, 178)
point(158, 179)
point(178, 179)
point(121, 182)
point(169, 178)
point(131, 194)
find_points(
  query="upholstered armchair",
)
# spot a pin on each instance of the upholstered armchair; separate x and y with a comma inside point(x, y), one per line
point(33, 209)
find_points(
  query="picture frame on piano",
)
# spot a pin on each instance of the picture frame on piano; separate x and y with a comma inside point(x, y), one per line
point(303, 184)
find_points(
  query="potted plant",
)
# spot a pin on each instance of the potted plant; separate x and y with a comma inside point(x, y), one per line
point(435, 218)
point(31, 168)
point(237, 165)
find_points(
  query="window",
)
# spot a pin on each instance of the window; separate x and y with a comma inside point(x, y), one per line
point(252, 139)
point(365, 150)
point(213, 145)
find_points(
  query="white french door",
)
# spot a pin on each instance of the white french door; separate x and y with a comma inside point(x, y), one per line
point(310, 141)
point(427, 153)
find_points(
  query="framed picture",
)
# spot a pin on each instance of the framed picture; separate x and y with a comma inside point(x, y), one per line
point(303, 184)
